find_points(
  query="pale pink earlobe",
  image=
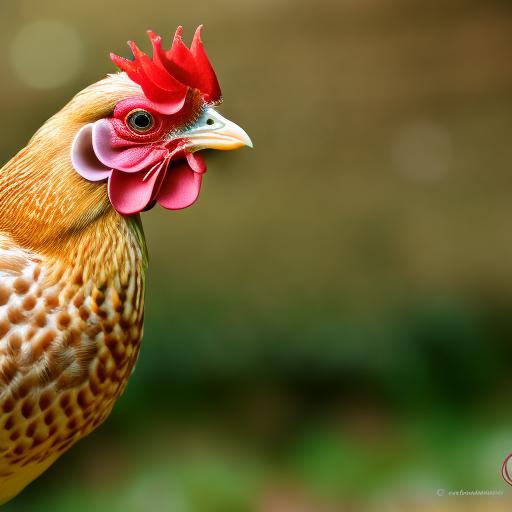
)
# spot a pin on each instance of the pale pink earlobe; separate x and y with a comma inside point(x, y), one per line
point(84, 159)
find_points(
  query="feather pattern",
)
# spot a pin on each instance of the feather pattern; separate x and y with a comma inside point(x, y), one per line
point(71, 297)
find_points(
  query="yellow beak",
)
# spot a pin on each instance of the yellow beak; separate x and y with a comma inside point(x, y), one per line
point(212, 131)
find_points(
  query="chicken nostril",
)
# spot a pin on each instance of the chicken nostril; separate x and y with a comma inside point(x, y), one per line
point(210, 121)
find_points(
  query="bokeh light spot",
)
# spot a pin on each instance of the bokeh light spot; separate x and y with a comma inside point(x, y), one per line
point(46, 54)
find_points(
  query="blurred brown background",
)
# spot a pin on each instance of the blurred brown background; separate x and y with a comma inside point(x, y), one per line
point(329, 327)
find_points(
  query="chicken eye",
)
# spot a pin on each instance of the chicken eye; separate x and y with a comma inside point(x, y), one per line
point(140, 121)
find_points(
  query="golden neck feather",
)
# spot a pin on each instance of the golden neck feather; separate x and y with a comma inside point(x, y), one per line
point(45, 206)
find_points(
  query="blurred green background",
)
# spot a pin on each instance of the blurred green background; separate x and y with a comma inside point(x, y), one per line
point(329, 328)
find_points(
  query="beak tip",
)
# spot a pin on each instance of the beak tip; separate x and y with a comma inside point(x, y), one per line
point(244, 138)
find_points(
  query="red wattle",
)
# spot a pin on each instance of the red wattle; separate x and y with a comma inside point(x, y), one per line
point(180, 187)
point(131, 193)
point(196, 162)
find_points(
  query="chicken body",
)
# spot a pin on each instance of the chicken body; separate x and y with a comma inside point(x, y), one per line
point(72, 249)
point(71, 295)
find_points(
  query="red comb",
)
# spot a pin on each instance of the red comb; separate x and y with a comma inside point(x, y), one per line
point(166, 77)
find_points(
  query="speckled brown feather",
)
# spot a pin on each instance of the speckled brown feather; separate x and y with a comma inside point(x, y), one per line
point(71, 295)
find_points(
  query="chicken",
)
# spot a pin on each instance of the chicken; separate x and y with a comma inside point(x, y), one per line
point(72, 249)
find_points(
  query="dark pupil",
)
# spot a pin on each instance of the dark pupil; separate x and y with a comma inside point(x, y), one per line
point(141, 120)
